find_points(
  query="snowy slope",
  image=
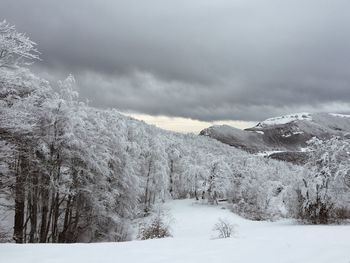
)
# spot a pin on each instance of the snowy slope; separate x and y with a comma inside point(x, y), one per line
point(325, 122)
point(250, 141)
point(253, 242)
point(285, 119)
point(287, 133)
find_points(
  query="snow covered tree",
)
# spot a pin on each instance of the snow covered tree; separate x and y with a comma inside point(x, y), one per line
point(217, 183)
point(322, 194)
point(155, 175)
point(16, 48)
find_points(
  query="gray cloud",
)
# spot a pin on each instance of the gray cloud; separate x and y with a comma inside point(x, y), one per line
point(209, 60)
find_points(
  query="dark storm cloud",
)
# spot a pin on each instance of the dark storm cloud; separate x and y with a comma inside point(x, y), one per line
point(209, 60)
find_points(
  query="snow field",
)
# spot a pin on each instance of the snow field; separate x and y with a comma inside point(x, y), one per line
point(282, 242)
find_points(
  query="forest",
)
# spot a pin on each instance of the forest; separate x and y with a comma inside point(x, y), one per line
point(70, 172)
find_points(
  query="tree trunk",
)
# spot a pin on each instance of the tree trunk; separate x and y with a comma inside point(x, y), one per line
point(55, 215)
point(34, 209)
point(62, 237)
point(171, 180)
point(19, 201)
point(44, 208)
point(147, 198)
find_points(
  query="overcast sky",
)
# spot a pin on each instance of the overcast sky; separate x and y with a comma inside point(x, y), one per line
point(200, 59)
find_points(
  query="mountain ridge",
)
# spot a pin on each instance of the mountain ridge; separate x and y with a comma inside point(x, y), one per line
point(282, 135)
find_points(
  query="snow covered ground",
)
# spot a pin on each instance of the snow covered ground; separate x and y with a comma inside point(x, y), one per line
point(192, 226)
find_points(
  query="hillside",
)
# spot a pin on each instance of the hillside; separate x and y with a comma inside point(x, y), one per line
point(91, 171)
point(283, 137)
point(73, 173)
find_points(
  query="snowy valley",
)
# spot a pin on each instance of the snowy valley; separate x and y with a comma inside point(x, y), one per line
point(71, 173)
point(194, 241)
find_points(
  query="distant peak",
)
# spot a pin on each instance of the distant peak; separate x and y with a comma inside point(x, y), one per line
point(285, 119)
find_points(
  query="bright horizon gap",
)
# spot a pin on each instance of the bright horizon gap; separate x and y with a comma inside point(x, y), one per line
point(186, 125)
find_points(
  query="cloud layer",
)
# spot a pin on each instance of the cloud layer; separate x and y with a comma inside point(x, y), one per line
point(202, 59)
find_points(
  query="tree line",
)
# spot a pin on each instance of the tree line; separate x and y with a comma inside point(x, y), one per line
point(70, 172)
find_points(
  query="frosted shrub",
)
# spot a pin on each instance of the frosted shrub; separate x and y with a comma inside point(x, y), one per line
point(157, 227)
point(224, 228)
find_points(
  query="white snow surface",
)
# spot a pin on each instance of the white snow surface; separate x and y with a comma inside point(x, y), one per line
point(192, 241)
point(286, 119)
point(340, 115)
point(267, 153)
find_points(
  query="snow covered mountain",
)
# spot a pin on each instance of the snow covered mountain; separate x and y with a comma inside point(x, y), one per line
point(284, 136)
